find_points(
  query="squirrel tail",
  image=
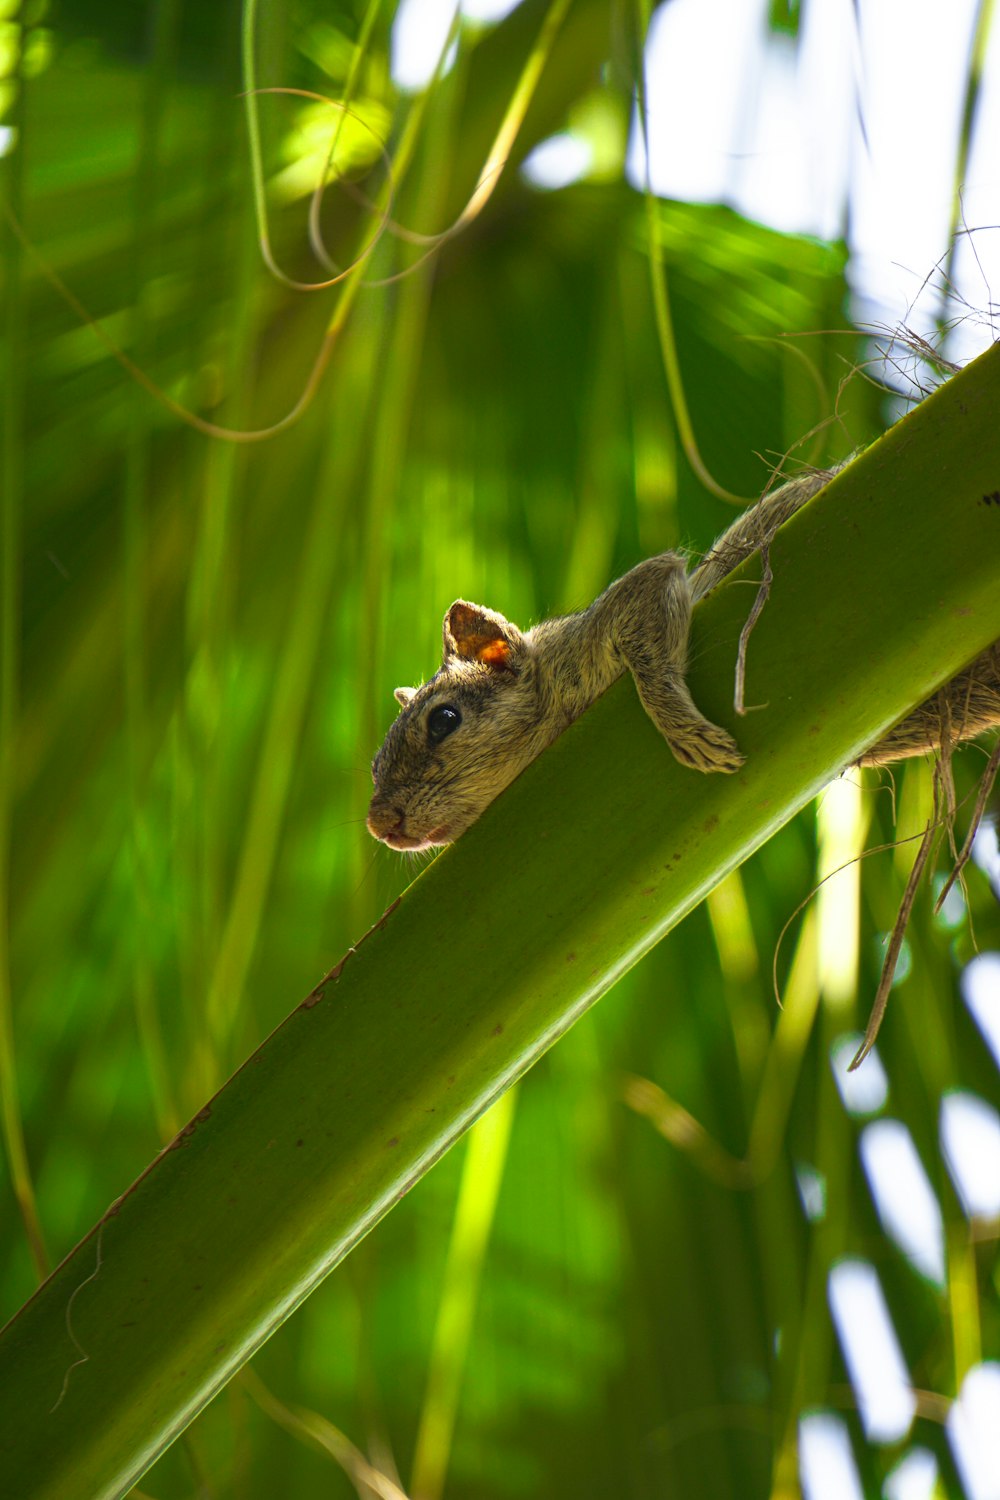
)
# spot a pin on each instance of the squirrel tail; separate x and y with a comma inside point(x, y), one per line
point(754, 529)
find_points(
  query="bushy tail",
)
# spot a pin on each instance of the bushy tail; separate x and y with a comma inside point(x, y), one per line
point(961, 709)
point(755, 527)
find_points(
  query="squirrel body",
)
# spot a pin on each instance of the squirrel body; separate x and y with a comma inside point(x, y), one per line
point(502, 695)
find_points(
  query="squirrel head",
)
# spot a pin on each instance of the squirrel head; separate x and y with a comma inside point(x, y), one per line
point(461, 737)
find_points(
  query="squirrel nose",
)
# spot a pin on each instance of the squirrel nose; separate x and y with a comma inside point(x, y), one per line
point(385, 820)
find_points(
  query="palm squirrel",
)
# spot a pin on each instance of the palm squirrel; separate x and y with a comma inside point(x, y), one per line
point(501, 696)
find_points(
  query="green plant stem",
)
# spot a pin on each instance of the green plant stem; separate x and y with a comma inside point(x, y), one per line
point(482, 1174)
point(135, 548)
point(970, 112)
point(660, 291)
point(12, 354)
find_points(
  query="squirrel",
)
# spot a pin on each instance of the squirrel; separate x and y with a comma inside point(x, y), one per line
point(502, 695)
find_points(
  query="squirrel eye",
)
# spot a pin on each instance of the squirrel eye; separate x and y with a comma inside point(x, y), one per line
point(441, 722)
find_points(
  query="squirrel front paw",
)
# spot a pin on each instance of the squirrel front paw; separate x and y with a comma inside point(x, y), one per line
point(706, 747)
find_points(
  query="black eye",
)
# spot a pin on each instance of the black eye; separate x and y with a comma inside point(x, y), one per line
point(441, 722)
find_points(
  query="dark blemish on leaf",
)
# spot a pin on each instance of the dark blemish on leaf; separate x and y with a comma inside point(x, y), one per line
point(189, 1129)
point(993, 498)
point(318, 993)
point(298, 1143)
point(393, 1141)
point(814, 728)
point(710, 823)
point(498, 1030)
point(571, 958)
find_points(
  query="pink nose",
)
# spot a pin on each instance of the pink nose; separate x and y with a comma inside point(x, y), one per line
point(388, 824)
point(384, 820)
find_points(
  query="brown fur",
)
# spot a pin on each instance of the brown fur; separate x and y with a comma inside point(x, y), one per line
point(515, 692)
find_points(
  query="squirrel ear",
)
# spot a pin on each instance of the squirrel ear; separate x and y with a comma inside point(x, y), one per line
point(403, 696)
point(477, 634)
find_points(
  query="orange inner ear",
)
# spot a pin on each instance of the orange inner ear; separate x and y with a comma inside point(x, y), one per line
point(495, 654)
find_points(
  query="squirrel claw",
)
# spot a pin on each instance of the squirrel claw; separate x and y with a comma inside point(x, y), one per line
point(708, 748)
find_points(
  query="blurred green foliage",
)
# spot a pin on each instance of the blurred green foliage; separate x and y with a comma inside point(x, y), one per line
point(201, 639)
